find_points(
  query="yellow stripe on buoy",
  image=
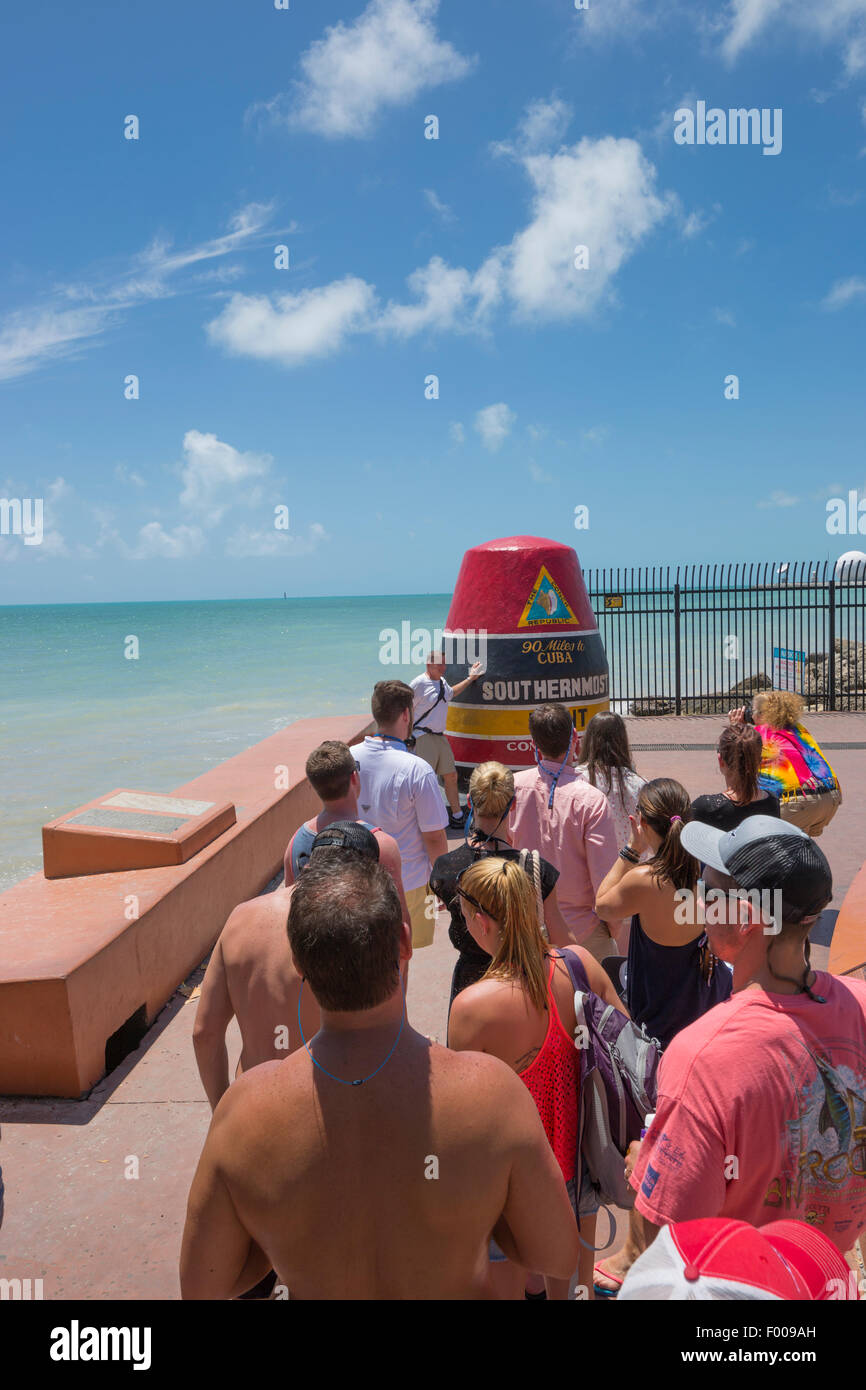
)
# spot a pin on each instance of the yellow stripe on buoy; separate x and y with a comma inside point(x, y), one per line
point(513, 722)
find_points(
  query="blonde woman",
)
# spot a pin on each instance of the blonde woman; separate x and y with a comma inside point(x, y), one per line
point(793, 768)
point(491, 795)
point(522, 1011)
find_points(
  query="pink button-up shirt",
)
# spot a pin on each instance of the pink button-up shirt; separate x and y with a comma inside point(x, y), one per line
point(577, 835)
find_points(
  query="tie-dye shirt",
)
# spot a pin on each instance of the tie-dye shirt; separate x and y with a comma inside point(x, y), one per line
point(792, 762)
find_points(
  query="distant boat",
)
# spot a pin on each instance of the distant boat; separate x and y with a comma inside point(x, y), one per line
point(285, 595)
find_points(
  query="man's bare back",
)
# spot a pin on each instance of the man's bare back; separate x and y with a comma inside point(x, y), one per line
point(388, 1190)
point(250, 976)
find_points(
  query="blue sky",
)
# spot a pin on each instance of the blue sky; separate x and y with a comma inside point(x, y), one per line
point(304, 388)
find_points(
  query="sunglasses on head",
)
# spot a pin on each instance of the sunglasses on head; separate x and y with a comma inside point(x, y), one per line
point(467, 897)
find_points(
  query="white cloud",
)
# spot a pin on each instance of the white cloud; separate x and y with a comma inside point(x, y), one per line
point(542, 125)
point(30, 338)
point(698, 221)
point(441, 209)
point(216, 476)
point(830, 23)
point(538, 475)
point(216, 480)
point(59, 488)
point(294, 327)
point(154, 542)
point(247, 542)
point(60, 327)
point(441, 294)
point(725, 317)
point(779, 499)
point(597, 434)
point(599, 193)
point(456, 432)
point(383, 59)
point(622, 18)
point(128, 475)
point(844, 292)
point(494, 424)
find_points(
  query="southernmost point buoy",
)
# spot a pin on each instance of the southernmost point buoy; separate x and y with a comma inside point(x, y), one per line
point(521, 605)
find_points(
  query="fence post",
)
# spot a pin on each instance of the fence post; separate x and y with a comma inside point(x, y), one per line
point(831, 662)
point(677, 654)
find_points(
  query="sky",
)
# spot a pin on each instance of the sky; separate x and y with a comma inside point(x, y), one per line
point(428, 362)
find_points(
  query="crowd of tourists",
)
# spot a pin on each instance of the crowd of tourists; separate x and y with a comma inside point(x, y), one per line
point(352, 1156)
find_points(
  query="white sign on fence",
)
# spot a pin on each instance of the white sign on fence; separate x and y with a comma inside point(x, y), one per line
point(788, 669)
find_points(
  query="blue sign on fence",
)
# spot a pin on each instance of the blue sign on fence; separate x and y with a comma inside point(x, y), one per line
point(789, 667)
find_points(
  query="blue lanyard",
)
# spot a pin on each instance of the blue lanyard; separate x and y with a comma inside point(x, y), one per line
point(342, 1080)
point(385, 737)
point(554, 776)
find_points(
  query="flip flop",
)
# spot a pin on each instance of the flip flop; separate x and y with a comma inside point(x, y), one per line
point(605, 1274)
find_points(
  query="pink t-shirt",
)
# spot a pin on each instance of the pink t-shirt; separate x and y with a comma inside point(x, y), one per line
point(577, 836)
point(761, 1114)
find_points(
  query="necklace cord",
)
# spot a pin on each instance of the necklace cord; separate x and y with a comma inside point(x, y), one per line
point(342, 1080)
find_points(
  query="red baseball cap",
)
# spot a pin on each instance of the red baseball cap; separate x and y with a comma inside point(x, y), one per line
point(719, 1259)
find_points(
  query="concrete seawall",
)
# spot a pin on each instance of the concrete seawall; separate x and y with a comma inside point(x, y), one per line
point(83, 958)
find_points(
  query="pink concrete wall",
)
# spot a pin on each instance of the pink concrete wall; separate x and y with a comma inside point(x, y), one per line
point(73, 968)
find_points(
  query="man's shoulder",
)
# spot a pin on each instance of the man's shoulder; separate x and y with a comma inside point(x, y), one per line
point(249, 917)
point(843, 989)
point(584, 793)
point(696, 1044)
point(419, 772)
point(523, 781)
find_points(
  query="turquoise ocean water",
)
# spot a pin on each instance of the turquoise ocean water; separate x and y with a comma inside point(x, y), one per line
point(77, 718)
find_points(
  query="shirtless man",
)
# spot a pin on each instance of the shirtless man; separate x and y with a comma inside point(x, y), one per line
point(385, 1189)
point(334, 774)
point(250, 976)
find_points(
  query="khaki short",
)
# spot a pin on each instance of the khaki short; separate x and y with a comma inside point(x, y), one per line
point(600, 943)
point(436, 750)
point(422, 914)
point(812, 813)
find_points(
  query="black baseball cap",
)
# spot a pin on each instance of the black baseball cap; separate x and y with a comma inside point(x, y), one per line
point(767, 854)
point(347, 834)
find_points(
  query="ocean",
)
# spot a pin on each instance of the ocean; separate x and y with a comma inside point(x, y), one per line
point(78, 718)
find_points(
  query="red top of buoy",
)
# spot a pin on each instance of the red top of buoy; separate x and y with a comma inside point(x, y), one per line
point(520, 583)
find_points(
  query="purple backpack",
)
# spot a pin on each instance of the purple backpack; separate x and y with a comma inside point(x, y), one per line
point(618, 1069)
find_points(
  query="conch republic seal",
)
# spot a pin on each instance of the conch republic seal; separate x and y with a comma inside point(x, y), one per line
point(520, 606)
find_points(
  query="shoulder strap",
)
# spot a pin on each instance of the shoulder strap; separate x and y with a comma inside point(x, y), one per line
point(427, 712)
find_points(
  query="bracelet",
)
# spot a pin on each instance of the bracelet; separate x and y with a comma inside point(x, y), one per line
point(629, 855)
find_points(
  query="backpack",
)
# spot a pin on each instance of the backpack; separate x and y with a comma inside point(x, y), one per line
point(618, 1084)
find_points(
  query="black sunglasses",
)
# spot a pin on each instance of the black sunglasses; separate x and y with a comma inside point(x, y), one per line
point(467, 897)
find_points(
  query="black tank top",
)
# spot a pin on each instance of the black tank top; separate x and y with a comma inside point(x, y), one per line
point(665, 989)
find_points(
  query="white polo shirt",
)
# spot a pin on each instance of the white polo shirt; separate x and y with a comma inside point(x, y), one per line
point(425, 692)
point(400, 793)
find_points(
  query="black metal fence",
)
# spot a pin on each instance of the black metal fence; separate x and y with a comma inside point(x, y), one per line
point(697, 639)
